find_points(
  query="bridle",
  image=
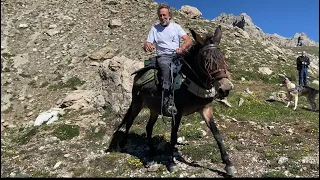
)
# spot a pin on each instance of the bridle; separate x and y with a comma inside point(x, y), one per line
point(218, 73)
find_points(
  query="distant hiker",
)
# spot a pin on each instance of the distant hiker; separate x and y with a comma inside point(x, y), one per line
point(165, 39)
point(299, 41)
point(302, 66)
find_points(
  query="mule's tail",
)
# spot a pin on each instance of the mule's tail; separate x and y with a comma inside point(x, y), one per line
point(124, 120)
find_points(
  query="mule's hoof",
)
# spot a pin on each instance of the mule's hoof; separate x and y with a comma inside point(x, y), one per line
point(149, 164)
point(230, 170)
point(172, 168)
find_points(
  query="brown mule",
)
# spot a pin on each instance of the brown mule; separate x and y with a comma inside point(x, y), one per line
point(206, 79)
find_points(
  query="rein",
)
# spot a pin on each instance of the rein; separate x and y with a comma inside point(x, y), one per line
point(204, 85)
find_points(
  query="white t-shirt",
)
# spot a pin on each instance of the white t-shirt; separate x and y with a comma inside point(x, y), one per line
point(167, 38)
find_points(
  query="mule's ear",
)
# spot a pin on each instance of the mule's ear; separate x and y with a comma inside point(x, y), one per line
point(217, 35)
point(196, 37)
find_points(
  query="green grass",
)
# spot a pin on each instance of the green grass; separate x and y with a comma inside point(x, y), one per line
point(191, 131)
point(108, 114)
point(113, 164)
point(274, 174)
point(71, 83)
point(66, 132)
point(40, 173)
point(309, 49)
point(198, 152)
point(27, 134)
point(92, 134)
point(255, 109)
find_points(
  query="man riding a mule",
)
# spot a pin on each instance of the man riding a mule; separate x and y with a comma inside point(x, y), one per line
point(166, 37)
point(204, 79)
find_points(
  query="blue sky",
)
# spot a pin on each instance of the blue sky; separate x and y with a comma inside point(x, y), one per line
point(284, 17)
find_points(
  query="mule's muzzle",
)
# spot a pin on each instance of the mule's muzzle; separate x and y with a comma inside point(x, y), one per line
point(225, 87)
point(223, 93)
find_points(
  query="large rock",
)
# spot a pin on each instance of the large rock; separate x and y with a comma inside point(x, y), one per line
point(104, 53)
point(20, 60)
point(226, 19)
point(114, 23)
point(192, 12)
point(241, 33)
point(82, 99)
point(275, 49)
point(242, 21)
point(117, 81)
point(265, 70)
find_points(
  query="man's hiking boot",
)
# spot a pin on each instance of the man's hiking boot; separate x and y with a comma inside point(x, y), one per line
point(168, 103)
point(169, 106)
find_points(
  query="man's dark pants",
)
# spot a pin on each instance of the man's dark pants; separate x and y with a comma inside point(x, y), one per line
point(303, 73)
point(164, 62)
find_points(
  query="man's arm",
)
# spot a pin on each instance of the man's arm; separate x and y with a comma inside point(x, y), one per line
point(298, 62)
point(185, 45)
point(186, 42)
point(148, 45)
point(308, 61)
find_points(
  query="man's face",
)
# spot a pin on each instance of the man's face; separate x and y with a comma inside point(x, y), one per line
point(164, 17)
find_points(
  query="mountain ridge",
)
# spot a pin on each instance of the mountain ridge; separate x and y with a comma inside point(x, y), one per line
point(244, 21)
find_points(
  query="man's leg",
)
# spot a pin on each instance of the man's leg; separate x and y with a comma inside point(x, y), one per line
point(300, 77)
point(305, 74)
point(164, 65)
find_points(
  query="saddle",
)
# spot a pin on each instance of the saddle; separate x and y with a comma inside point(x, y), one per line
point(149, 79)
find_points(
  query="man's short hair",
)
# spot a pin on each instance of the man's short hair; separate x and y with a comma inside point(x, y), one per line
point(161, 6)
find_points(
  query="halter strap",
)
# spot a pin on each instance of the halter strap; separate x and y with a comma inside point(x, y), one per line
point(209, 46)
point(219, 73)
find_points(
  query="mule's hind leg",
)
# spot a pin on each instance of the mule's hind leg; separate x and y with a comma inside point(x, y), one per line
point(136, 107)
point(207, 114)
point(149, 128)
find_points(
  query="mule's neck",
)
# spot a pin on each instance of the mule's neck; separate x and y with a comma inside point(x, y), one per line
point(193, 72)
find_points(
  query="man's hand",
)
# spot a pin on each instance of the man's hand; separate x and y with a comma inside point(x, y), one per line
point(148, 47)
point(180, 51)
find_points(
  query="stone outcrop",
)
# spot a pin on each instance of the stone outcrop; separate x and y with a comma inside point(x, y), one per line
point(192, 12)
point(244, 22)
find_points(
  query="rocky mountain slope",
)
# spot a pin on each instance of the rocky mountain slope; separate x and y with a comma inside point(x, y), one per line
point(72, 60)
point(245, 22)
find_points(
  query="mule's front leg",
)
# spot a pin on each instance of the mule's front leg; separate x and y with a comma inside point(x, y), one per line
point(173, 141)
point(207, 114)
